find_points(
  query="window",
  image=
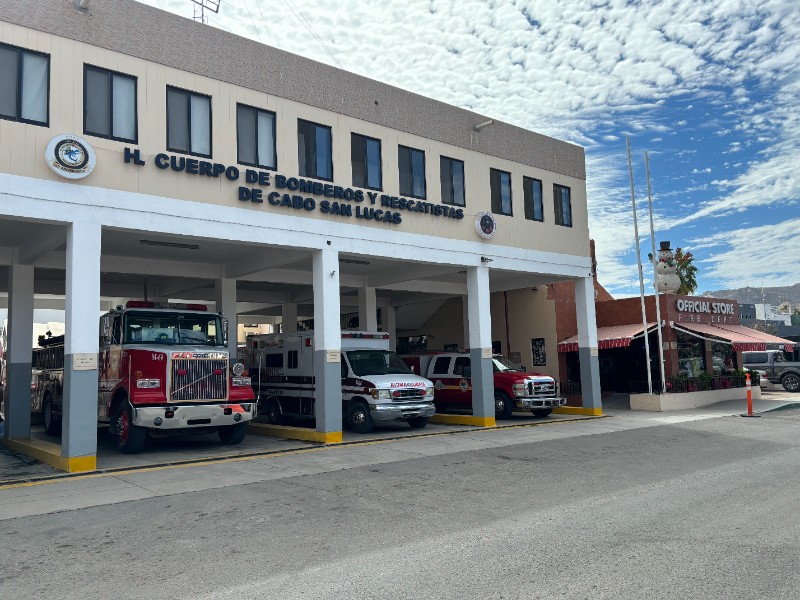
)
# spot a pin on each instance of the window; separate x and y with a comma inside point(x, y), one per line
point(500, 182)
point(451, 172)
point(532, 188)
point(562, 204)
point(24, 85)
point(292, 360)
point(109, 104)
point(365, 154)
point(411, 163)
point(188, 122)
point(462, 366)
point(255, 135)
point(442, 365)
point(273, 360)
point(314, 150)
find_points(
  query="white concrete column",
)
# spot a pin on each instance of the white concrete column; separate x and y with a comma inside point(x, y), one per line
point(465, 321)
point(587, 343)
point(367, 309)
point(225, 292)
point(390, 325)
point(327, 341)
point(289, 317)
point(17, 394)
point(480, 342)
point(81, 343)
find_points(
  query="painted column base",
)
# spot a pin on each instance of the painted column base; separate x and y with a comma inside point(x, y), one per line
point(50, 453)
point(295, 433)
point(464, 420)
point(579, 410)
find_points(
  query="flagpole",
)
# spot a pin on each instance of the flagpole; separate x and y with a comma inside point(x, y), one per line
point(641, 275)
point(655, 284)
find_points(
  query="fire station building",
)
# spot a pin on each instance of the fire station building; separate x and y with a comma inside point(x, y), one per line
point(144, 155)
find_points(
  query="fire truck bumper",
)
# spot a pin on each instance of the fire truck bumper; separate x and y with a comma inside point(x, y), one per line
point(540, 402)
point(188, 416)
point(392, 412)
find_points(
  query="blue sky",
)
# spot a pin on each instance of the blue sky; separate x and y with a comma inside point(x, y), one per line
point(710, 88)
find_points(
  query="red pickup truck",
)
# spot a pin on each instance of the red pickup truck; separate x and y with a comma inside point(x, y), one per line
point(514, 388)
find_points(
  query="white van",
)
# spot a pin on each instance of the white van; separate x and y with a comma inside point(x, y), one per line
point(376, 384)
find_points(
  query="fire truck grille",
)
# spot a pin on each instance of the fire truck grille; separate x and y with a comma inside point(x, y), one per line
point(409, 395)
point(198, 380)
point(541, 389)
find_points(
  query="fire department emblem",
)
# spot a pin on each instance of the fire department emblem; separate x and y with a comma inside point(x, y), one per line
point(485, 225)
point(439, 385)
point(70, 156)
point(464, 385)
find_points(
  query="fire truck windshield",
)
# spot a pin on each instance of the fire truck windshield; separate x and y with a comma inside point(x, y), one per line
point(173, 328)
point(376, 362)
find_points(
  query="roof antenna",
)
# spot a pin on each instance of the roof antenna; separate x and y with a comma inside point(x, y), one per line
point(200, 7)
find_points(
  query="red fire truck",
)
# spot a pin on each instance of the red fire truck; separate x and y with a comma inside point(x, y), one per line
point(160, 369)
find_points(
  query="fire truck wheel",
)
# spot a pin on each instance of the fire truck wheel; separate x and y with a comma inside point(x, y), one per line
point(52, 425)
point(232, 434)
point(129, 437)
point(274, 415)
point(502, 405)
point(418, 422)
point(541, 412)
point(358, 417)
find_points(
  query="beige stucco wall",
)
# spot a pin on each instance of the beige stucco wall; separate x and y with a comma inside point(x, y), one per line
point(22, 149)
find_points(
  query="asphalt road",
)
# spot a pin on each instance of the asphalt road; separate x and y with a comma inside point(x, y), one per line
point(707, 509)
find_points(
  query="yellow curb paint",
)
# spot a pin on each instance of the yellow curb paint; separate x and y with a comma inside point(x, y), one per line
point(50, 453)
point(578, 410)
point(464, 420)
point(296, 433)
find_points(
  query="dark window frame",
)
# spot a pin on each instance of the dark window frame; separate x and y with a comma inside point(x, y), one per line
point(497, 207)
point(557, 206)
point(274, 136)
point(189, 94)
point(314, 175)
point(530, 208)
point(411, 194)
point(451, 201)
point(18, 108)
point(366, 185)
point(111, 72)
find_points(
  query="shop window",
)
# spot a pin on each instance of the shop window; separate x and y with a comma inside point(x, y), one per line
point(255, 137)
point(365, 154)
point(314, 151)
point(500, 182)
point(188, 122)
point(538, 354)
point(532, 190)
point(24, 85)
point(451, 172)
point(690, 356)
point(563, 205)
point(411, 163)
point(723, 358)
point(109, 104)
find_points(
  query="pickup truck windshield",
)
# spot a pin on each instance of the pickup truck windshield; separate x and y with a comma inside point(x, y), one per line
point(172, 328)
point(376, 362)
point(501, 363)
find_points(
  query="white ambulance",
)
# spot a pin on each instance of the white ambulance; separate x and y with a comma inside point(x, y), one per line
point(376, 384)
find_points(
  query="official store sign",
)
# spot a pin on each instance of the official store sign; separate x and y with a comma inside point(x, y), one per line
point(70, 156)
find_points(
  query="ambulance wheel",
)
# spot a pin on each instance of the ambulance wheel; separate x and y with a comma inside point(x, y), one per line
point(230, 435)
point(128, 437)
point(541, 412)
point(274, 414)
point(418, 422)
point(358, 417)
point(502, 405)
point(52, 426)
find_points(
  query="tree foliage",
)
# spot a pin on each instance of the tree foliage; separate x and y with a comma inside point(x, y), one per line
point(687, 272)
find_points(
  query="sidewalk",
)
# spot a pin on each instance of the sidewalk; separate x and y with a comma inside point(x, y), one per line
point(84, 491)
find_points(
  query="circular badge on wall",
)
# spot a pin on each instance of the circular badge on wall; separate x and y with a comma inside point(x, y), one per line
point(70, 156)
point(485, 225)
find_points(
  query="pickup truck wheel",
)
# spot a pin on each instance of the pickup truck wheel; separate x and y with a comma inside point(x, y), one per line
point(52, 426)
point(274, 414)
point(230, 435)
point(791, 382)
point(541, 413)
point(358, 417)
point(128, 437)
point(502, 405)
point(418, 422)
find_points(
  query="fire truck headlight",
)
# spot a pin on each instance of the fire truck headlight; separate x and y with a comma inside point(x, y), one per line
point(519, 389)
point(238, 369)
point(148, 383)
point(381, 394)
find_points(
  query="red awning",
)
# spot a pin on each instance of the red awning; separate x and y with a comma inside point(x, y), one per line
point(615, 336)
point(742, 338)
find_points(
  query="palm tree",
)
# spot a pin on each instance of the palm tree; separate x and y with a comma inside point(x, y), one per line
point(687, 272)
